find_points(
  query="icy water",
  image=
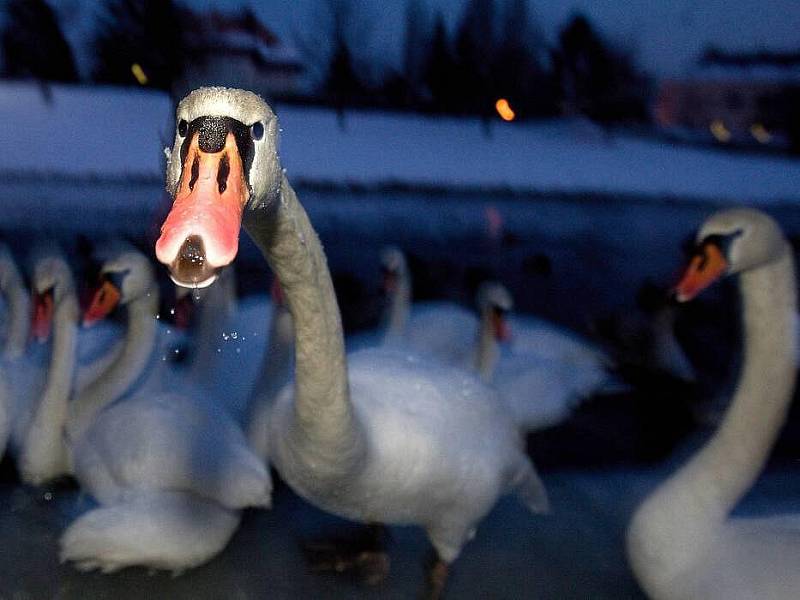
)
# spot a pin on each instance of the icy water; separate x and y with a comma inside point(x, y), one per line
point(573, 260)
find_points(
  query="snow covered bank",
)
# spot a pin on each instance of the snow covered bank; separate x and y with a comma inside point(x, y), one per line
point(111, 133)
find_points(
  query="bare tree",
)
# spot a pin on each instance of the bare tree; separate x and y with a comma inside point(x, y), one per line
point(34, 44)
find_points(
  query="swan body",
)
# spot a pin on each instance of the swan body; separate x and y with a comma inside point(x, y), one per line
point(344, 448)
point(422, 468)
point(170, 472)
point(682, 542)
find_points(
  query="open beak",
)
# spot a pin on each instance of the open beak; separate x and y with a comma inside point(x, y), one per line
point(502, 331)
point(104, 298)
point(201, 233)
point(705, 267)
point(42, 315)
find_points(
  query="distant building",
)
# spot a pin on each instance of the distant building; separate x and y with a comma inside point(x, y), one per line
point(738, 98)
point(237, 50)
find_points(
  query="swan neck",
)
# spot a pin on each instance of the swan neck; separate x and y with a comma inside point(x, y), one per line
point(324, 431)
point(396, 317)
point(684, 511)
point(125, 370)
point(44, 455)
point(19, 314)
point(487, 351)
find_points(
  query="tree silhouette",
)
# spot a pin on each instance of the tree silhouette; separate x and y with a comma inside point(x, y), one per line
point(144, 33)
point(518, 70)
point(33, 43)
point(596, 80)
point(474, 51)
point(439, 74)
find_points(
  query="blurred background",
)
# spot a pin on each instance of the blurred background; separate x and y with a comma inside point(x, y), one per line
point(566, 149)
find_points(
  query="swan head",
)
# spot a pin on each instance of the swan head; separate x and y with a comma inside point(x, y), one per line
point(125, 275)
point(729, 242)
point(494, 303)
point(52, 284)
point(393, 268)
point(223, 161)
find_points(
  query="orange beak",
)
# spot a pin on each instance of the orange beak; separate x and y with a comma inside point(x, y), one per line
point(389, 282)
point(501, 329)
point(42, 316)
point(705, 267)
point(105, 298)
point(208, 206)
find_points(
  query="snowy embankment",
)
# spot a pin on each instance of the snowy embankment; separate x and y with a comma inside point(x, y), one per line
point(107, 133)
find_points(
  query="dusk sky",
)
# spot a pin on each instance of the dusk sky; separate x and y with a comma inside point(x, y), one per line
point(665, 35)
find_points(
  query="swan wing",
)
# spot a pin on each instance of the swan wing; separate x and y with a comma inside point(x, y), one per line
point(170, 442)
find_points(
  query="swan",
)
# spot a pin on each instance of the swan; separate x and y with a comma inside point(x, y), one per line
point(389, 439)
point(439, 329)
point(170, 473)
point(681, 542)
point(542, 372)
point(37, 435)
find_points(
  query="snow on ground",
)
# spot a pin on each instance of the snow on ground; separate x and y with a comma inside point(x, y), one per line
point(114, 133)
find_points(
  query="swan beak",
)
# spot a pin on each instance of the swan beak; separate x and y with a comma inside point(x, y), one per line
point(389, 282)
point(706, 267)
point(42, 315)
point(105, 298)
point(201, 233)
point(502, 331)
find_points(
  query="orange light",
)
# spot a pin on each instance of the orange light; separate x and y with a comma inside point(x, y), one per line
point(719, 131)
point(758, 131)
point(504, 110)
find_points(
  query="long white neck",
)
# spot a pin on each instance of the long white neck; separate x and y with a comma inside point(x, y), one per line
point(43, 455)
point(487, 351)
point(19, 312)
point(677, 521)
point(125, 370)
point(325, 436)
point(397, 313)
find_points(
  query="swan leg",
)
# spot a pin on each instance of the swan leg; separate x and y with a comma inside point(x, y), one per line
point(363, 554)
point(436, 578)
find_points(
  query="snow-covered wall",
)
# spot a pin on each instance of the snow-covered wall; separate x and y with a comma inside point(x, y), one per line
point(109, 133)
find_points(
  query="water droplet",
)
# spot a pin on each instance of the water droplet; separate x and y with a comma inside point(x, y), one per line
point(238, 350)
point(172, 311)
point(48, 496)
point(158, 316)
point(234, 335)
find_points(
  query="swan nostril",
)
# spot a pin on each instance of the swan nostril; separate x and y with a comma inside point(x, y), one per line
point(191, 265)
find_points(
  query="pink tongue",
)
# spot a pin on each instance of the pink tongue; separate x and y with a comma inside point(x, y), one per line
point(204, 213)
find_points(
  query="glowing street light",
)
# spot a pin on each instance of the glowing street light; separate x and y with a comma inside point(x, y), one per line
point(758, 131)
point(504, 110)
point(719, 131)
point(139, 74)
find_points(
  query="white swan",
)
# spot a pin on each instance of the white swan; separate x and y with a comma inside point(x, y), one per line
point(37, 435)
point(681, 541)
point(169, 472)
point(385, 441)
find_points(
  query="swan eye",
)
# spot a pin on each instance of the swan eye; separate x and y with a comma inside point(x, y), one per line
point(183, 128)
point(257, 130)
